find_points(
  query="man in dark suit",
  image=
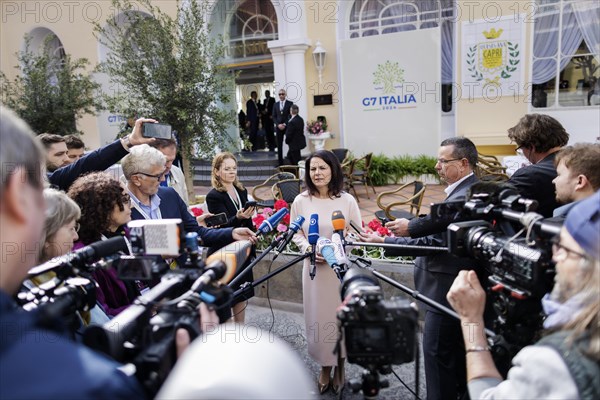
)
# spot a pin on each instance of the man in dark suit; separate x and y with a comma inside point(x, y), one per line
point(252, 113)
point(443, 348)
point(294, 136)
point(267, 120)
point(538, 137)
point(281, 116)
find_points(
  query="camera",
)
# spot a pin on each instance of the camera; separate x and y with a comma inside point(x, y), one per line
point(377, 332)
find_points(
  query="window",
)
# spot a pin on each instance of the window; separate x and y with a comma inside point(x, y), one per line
point(252, 25)
point(566, 59)
point(379, 17)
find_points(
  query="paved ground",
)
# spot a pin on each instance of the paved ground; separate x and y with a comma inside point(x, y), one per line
point(290, 327)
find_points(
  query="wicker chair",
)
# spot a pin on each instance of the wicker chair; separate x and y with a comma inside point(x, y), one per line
point(341, 154)
point(263, 193)
point(397, 198)
point(362, 176)
point(287, 190)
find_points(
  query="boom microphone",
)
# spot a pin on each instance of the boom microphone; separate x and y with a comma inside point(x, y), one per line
point(328, 251)
point(79, 258)
point(292, 230)
point(340, 252)
point(313, 238)
point(213, 271)
point(268, 224)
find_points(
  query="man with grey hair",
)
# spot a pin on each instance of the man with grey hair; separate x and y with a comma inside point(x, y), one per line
point(144, 169)
point(173, 174)
point(25, 335)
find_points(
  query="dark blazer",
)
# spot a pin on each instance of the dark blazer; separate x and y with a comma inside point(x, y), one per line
point(279, 116)
point(535, 182)
point(172, 206)
point(267, 110)
point(219, 202)
point(252, 112)
point(294, 134)
point(97, 160)
point(434, 274)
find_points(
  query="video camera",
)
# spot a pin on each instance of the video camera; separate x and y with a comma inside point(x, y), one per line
point(378, 333)
point(497, 227)
point(144, 334)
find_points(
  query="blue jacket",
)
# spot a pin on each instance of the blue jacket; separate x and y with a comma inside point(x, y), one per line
point(36, 363)
point(97, 160)
point(172, 206)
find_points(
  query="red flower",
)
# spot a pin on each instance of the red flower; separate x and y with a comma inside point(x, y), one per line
point(374, 224)
point(258, 220)
point(286, 219)
point(197, 211)
point(383, 231)
point(279, 204)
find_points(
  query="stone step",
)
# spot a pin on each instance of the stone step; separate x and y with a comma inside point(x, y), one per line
point(253, 168)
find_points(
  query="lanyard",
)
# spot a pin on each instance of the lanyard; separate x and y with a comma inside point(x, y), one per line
point(238, 204)
point(126, 242)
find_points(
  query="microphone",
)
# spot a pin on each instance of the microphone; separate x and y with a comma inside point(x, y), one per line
point(213, 271)
point(328, 250)
point(340, 251)
point(313, 238)
point(339, 222)
point(292, 230)
point(234, 255)
point(268, 224)
point(79, 258)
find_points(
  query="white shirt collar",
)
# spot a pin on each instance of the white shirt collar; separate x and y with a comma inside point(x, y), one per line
point(453, 186)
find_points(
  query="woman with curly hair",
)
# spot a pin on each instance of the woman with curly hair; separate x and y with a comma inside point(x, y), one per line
point(105, 209)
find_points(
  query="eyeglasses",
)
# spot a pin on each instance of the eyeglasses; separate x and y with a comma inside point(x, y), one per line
point(282, 94)
point(442, 161)
point(76, 227)
point(157, 177)
point(562, 252)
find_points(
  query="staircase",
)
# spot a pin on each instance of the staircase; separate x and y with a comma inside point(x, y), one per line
point(253, 168)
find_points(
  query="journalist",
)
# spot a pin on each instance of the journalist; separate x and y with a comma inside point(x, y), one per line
point(37, 362)
point(565, 363)
point(434, 273)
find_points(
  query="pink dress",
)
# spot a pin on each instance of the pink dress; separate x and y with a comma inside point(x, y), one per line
point(321, 296)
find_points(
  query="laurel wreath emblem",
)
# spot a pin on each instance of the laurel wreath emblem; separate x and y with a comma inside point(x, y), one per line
point(513, 61)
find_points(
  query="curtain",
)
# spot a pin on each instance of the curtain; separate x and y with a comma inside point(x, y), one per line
point(580, 21)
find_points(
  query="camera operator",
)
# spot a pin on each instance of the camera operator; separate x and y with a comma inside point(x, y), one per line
point(37, 362)
point(564, 364)
point(442, 343)
point(538, 138)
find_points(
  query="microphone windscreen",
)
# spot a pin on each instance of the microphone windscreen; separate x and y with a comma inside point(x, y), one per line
point(313, 229)
point(327, 250)
point(296, 224)
point(234, 255)
point(270, 223)
point(338, 221)
point(340, 253)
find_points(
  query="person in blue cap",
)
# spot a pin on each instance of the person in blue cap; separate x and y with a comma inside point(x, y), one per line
point(565, 363)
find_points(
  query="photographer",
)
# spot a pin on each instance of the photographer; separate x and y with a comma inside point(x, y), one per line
point(38, 362)
point(564, 364)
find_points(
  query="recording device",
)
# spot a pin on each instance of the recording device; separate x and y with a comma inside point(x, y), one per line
point(328, 250)
point(216, 220)
point(157, 237)
point(143, 335)
point(159, 131)
point(270, 223)
point(377, 333)
point(356, 229)
point(313, 238)
point(339, 222)
point(519, 265)
point(78, 259)
point(289, 234)
point(250, 204)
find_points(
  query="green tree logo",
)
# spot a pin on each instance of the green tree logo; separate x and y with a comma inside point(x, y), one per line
point(388, 74)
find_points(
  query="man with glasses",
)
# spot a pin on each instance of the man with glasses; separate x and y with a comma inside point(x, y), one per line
point(281, 116)
point(443, 349)
point(144, 169)
point(566, 363)
point(538, 138)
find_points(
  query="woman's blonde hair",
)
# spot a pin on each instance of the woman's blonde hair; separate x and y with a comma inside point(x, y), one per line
point(216, 166)
point(60, 210)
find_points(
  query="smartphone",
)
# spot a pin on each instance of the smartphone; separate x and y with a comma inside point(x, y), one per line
point(249, 204)
point(216, 220)
point(160, 131)
point(353, 225)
